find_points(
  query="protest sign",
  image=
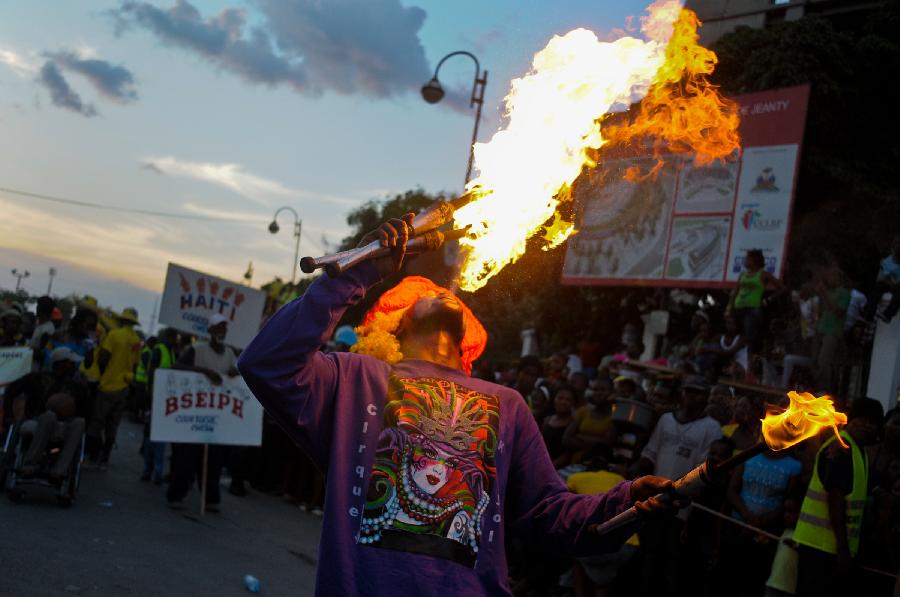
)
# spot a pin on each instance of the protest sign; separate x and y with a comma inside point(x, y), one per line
point(188, 408)
point(190, 298)
point(14, 363)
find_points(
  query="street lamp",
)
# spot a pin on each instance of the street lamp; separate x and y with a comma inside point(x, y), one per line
point(432, 92)
point(274, 228)
point(19, 275)
point(53, 273)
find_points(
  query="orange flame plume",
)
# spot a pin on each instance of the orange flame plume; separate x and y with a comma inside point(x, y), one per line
point(805, 417)
point(554, 118)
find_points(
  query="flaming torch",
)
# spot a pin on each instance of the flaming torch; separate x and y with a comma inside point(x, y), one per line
point(805, 417)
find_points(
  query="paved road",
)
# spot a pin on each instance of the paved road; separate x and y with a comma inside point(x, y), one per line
point(137, 546)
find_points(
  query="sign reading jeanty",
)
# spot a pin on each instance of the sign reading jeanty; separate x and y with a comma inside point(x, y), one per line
point(687, 225)
point(190, 298)
point(188, 408)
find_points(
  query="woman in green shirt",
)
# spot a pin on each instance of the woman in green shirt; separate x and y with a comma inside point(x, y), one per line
point(747, 301)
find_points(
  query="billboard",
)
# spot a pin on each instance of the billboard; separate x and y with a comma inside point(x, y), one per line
point(666, 222)
point(190, 298)
point(188, 408)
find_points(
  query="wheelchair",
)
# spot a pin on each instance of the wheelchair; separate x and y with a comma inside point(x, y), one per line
point(15, 482)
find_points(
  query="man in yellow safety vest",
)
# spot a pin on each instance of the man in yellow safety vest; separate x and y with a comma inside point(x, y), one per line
point(831, 516)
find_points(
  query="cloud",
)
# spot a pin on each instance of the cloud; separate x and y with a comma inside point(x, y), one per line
point(230, 176)
point(61, 94)
point(112, 81)
point(364, 47)
point(236, 178)
point(17, 63)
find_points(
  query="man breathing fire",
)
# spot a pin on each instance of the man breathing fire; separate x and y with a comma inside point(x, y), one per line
point(425, 464)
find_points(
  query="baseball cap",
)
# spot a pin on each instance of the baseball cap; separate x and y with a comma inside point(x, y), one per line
point(696, 382)
point(63, 353)
point(216, 319)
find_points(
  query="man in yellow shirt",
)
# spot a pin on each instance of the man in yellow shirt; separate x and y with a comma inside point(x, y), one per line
point(117, 358)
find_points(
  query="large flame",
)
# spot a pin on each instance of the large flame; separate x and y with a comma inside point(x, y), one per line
point(554, 117)
point(805, 417)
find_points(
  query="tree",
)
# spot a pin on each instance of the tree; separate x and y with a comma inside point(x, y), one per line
point(848, 191)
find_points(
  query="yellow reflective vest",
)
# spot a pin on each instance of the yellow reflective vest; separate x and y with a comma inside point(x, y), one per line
point(814, 525)
point(140, 372)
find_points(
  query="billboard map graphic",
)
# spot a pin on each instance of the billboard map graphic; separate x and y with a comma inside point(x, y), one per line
point(686, 225)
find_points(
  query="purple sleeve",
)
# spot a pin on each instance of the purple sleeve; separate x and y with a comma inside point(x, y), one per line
point(294, 382)
point(540, 502)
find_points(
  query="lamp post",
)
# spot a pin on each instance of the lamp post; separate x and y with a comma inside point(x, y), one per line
point(19, 274)
point(274, 228)
point(432, 92)
point(53, 273)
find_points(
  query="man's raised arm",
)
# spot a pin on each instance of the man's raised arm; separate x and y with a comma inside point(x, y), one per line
point(283, 366)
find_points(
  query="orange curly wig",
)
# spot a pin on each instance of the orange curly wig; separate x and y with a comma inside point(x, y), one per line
point(376, 333)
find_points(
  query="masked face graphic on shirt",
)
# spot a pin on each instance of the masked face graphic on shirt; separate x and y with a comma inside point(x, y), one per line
point(433, 470)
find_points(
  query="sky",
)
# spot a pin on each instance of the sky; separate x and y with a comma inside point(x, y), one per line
point(229, 110)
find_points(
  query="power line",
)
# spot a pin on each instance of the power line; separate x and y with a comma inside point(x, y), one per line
point(133, 210)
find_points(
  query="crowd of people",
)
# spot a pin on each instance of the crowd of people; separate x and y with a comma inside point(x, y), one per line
point(94, 367)
point(606, 413)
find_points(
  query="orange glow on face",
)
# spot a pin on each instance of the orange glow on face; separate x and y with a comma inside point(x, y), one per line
point(805, 417)
point(555, 124)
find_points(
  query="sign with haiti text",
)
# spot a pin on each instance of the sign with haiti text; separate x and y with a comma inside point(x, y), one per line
point(190, 298)
point(188, 408)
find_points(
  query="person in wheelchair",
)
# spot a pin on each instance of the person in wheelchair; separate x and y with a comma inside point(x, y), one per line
point(47, 404)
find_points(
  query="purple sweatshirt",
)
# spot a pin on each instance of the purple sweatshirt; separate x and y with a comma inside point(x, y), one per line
point(424, 464)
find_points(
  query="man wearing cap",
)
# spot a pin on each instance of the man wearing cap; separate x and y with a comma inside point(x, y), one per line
point(11, 325)
point(214, 360)
point(52, 401)
point(679, 442)
point(425, 465)
point(117, 358)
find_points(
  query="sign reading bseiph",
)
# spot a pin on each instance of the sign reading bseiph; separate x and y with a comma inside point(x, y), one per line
point(190, 298)
point(188, 408)
point(685, 225)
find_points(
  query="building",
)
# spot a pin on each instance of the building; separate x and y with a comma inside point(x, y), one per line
point(723, 16)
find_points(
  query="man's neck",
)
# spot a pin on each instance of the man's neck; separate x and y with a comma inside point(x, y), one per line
point(686, 416)
point(437, 347)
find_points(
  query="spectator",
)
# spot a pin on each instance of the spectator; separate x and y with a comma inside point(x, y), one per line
point(590, 352)
point(834, 298)
point(540, 403)
point(140, 386)
point(747, 301)
point(593, 575)
point(591, 426)
point(733, 345)
point(745, 431)
point(680, 442)
point(213, 359)
point(116, 359)
point(43, 330)
point(783, 578)
point(554, 427)
point(757, 492)
point(888, 281)
point(831, 516)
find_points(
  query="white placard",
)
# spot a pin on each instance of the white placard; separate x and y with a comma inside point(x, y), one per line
point(762, 213)
point(188, 408)
point(14, 363)
point(190, 298)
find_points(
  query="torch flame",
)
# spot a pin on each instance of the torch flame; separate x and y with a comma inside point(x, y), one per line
point(554, 117)
point(805, 417)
